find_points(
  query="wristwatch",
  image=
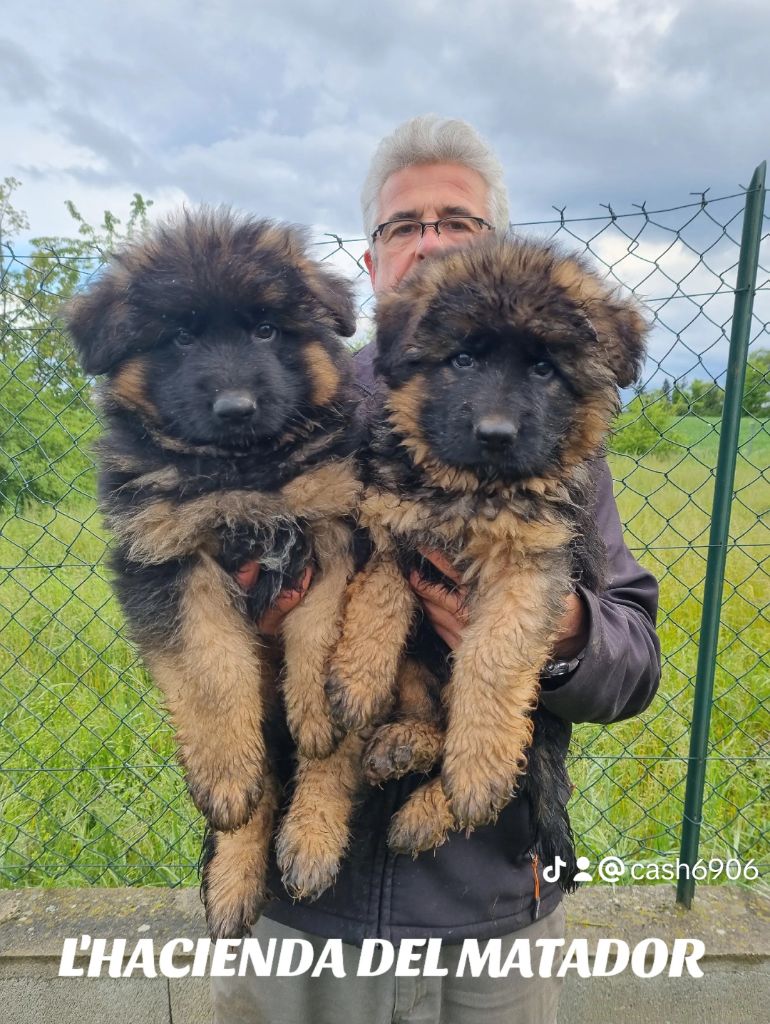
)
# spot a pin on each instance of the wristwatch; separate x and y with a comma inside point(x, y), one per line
point(556, 667)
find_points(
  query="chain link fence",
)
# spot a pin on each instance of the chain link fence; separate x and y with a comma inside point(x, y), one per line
point(90, 789)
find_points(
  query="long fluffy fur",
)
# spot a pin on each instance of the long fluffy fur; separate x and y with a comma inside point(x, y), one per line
point(227, 406)
point(501, 365)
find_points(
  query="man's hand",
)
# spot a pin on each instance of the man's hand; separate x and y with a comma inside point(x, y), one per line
point(448, 614)
point(246, 578)
point(444, 608)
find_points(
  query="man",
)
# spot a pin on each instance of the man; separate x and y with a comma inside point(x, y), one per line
point(605, 667)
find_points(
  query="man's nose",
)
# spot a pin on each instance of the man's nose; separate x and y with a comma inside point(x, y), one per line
point(430, 241)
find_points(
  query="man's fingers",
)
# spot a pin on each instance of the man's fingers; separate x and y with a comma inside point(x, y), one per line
point(448, 626)
point(440, 617)
point(271, 621)
point(450, 638)
point(435, 594)
point(246, 577)
point(289, 599)
point(441, 563)
point(444, 609)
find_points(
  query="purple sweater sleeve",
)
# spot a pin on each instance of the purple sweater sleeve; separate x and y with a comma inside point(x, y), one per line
point(620, 668)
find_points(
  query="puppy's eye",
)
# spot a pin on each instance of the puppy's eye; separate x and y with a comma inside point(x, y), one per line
point(183, 338)
point(463, 360)
point(542, 369)
point(265, 332)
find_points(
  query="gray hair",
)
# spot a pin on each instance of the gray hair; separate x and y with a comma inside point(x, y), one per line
point(430, 139)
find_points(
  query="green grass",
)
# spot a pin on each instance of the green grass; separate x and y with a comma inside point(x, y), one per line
point(630, 776)
point(90, 792)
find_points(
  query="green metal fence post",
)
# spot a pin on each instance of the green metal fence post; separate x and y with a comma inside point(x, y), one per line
point(720, 525)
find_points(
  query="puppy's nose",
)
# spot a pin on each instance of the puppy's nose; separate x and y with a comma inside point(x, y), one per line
point(495, 432)
point(235, 406)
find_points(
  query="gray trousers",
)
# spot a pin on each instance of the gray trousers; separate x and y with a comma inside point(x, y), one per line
point(387, 999)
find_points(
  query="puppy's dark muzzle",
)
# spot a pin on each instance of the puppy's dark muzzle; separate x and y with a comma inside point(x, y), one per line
point(234, 407)
point(495, 433)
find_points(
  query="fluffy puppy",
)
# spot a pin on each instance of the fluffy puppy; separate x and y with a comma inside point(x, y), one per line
point(227, 435)
point(501, 365)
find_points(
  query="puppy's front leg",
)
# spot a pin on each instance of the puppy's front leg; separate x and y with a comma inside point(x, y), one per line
point(212, 675)
point(378, 614)
point(413, 741)
point(234, 870)
point(310, 632)
point(494, 687)
point(423, 822)
point(316, 828)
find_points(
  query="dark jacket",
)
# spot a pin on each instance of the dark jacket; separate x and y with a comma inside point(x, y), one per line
point(482, 886)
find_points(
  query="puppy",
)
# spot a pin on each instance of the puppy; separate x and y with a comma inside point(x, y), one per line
point(227, 413)
point(500, 367)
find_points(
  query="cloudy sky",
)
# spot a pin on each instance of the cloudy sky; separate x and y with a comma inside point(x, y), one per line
point(276, 107)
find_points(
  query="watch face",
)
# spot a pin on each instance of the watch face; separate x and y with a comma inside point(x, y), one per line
point(560, 667)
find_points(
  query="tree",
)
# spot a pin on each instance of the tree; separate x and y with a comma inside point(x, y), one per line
point(45, 413)
point(756, 393)
point(12, 222)
point(39, 284)
point(680, 404)
point(706, 398)
point(641, 428)
point(45, 437)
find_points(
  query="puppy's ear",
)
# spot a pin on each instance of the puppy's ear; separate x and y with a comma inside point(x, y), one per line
point(622, 334)
point(98, 321)
point(329, 289)
point(397, 320)
point(618, 322)
point(335, 294)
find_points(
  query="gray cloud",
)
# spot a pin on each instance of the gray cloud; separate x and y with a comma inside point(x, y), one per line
point(20, 78)
point(121, 154)
point(278, 108)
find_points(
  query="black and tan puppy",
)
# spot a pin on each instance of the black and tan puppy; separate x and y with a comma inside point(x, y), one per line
point(501, 366)
point(227, 413)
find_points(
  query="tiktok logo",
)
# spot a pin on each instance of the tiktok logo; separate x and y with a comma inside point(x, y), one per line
point(553, 872)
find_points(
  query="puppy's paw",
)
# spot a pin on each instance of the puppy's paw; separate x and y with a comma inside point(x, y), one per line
point(227, 804)
point(423, 822)
point(234, 918)
point(476, 797)
point(400, 747)
point(309, 858)
point(319, 738)
point(232, 886)
point(385, 760)
point(356, 706)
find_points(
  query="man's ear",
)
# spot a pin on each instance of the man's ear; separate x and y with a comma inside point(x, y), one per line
point(99, 323)
point(369, 264)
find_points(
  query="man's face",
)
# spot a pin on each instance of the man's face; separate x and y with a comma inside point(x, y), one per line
point(424, 192)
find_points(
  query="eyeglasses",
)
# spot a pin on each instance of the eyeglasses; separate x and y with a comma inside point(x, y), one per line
point(401, 233)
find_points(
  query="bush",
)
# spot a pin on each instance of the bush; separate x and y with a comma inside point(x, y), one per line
point(46, 430)
point(641, 428)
